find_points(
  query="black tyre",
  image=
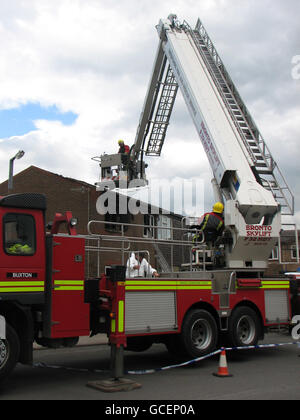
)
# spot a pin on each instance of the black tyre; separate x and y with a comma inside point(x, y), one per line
point(9, 352)
point(244, 328)
point(138, 344)
point(70, 342)
point(199, 335)
point(175, 347)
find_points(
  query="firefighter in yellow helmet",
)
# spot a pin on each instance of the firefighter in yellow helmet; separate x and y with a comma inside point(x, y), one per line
point(218, 208)
point(123, 148)
point(212, 225)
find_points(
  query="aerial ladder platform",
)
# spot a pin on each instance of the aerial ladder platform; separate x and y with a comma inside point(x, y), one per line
point(249, 180)
point(262, 162)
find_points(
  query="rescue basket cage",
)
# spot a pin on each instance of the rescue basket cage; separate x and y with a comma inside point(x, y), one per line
point(172, 246)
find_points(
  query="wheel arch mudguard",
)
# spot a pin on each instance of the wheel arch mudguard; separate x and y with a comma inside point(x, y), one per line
point(20, 318)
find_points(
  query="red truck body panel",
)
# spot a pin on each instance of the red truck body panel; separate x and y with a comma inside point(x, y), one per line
point(69, 312)
point(23, 273)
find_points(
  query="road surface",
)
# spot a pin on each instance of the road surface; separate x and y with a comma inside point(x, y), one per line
point(260, 374)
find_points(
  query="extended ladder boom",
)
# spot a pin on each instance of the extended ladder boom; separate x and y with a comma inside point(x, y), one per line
point(191, 51)
point(247, 177)
point(254, 190)
point(263, 165)
point(221, 124)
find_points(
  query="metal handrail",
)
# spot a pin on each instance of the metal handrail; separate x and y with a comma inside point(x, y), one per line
point(136, 240)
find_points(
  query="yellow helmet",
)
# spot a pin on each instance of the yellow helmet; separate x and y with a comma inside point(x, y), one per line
point(120, 141)
point(218, 207)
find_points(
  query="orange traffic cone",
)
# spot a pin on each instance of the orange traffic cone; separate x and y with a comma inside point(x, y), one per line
point(223, 369)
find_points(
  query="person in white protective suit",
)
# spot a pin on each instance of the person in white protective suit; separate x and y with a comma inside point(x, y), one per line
point(139, 268)
point(145, 269)
point(132, 268)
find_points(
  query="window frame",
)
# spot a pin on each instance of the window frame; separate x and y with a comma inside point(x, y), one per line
point(110, 219)
point(294, 252)
point(274, 254)
point(149, 226)
point(34, 246)
point(164, 230)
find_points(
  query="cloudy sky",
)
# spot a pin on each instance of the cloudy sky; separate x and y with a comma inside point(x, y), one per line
point(74, 73)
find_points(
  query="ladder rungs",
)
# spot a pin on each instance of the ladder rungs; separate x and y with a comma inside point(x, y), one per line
point(263, 161)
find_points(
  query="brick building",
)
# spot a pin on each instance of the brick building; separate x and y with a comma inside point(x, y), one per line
point(64, 194)
point(68, 194)
point(284, 256)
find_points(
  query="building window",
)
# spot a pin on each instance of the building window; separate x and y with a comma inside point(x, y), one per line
point(19, 234)
point(164, 222)
point(274, 254)
point(294, 252)
point(149, 223)
point(113, 220)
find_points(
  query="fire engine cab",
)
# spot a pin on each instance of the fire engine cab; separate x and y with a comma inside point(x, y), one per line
point(44, 294)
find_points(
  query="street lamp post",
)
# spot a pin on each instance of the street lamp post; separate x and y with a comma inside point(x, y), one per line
point(19, 155)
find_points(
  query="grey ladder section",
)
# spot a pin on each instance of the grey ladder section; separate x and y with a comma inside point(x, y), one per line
point(264, 167)
point(168, 92)
point(165, 267)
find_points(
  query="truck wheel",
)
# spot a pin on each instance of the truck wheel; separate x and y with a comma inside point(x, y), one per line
point(199, 334)
point(244, 328)
point(9, 352)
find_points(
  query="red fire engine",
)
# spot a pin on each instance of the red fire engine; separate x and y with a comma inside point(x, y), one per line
point(46, 298)
point(44, 295)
